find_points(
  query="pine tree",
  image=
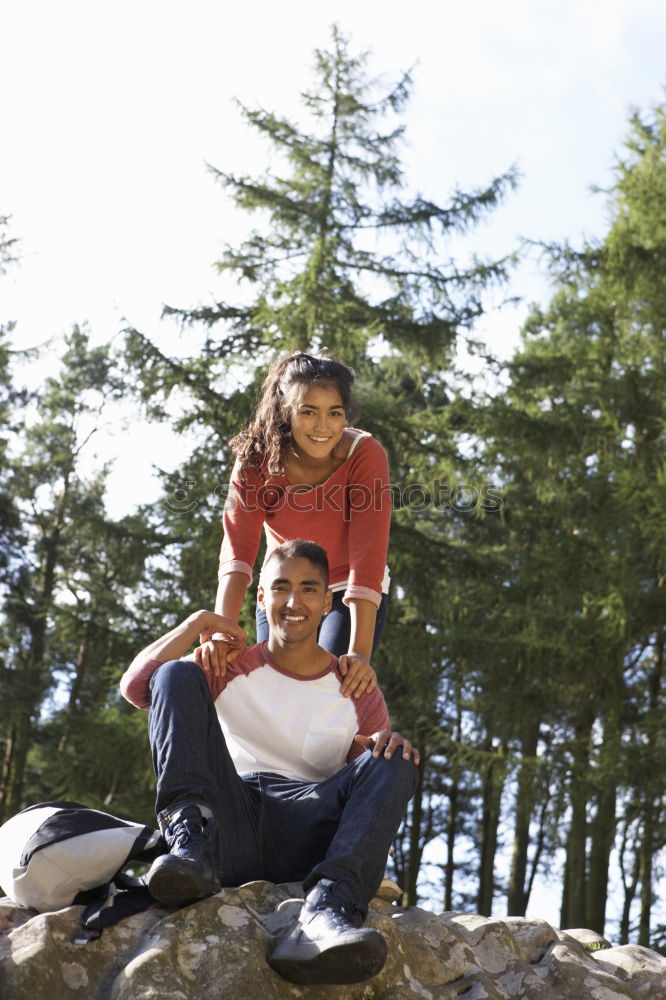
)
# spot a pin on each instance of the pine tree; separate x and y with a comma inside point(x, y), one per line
point(313, 276)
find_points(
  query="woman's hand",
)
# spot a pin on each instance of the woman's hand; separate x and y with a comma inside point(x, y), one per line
point(217, 649)
point(359, 676)
point(387, 741)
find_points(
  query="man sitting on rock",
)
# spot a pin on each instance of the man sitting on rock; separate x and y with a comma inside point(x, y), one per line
point(266, 771)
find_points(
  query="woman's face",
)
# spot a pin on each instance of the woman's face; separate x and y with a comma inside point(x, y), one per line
point(317, 422)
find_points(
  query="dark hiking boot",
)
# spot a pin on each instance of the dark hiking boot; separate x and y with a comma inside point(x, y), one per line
point(324, 947)
point(187, 872)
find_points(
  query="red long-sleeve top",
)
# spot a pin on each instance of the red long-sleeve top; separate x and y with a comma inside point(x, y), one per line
point(349, 515)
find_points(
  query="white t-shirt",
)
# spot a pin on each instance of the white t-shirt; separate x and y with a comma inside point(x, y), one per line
point(278, 722)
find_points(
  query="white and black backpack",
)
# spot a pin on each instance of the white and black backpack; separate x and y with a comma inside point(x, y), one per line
point(58, 854)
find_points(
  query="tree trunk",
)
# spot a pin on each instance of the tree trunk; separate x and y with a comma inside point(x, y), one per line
point(646, 855)
point(451, 827)
point(416, 840)
point(7, 763)
point(22, 738)
point(81, 667)
point(538, 850)
point(629, 887)
point(492, 794)
point(652, 802)
point(452, 819)
point(574, 909)
point(525, 798)
point(602, 830)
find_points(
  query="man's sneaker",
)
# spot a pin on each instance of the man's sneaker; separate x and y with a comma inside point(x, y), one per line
point(187, 873)
point(325, 948)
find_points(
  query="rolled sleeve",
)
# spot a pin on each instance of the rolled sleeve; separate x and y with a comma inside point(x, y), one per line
point(353, 593)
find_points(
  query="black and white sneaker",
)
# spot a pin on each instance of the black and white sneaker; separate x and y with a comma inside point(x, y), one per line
point(324, 947)
point(187, 872)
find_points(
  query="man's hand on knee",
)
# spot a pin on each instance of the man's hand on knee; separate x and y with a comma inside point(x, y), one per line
point(386, 742)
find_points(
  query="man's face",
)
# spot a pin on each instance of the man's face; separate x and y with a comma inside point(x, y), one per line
point(295, 598)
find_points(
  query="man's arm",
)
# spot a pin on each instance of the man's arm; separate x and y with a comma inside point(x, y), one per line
point(375, 732)
point(134, 684)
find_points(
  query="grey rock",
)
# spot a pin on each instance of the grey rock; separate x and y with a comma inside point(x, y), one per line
point(217, 947)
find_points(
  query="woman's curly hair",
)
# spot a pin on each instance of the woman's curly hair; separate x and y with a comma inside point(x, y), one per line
point(289, 379)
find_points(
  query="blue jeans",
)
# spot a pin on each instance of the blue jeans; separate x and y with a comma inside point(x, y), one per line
point(335, 629)
point(268, 826)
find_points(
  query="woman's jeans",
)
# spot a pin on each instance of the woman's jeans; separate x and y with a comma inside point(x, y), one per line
point(335, 629)
point(268, 826)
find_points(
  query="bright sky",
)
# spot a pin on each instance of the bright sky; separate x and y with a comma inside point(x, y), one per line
point(110, 112)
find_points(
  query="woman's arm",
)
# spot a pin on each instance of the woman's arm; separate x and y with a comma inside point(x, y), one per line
point(363, 616)
point(359, 676)
point(230, 593)
point(370, 499)
point(243, 519)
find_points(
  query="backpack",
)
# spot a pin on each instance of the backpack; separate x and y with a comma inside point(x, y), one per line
point(57, 854)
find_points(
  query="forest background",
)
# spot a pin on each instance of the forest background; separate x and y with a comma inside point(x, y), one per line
point(526, 636)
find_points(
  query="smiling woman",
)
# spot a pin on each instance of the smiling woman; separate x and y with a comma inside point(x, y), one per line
point(302, 471)
point(318, 440)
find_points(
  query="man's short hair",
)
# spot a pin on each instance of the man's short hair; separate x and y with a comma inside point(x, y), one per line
point(300, 548)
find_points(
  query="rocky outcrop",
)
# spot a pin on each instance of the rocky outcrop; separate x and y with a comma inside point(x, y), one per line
point(216, 949)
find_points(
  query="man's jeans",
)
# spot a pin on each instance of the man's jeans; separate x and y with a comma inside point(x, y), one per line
point(268, 826)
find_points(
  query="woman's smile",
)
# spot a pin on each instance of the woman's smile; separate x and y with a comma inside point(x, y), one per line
point(317, 423)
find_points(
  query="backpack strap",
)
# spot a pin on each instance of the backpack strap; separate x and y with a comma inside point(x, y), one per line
point(123, 896)
point(120, 898)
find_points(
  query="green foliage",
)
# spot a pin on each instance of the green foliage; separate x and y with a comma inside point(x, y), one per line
point(66, 612)
point(525, 646)
point(102, 761)
point(578, 439)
